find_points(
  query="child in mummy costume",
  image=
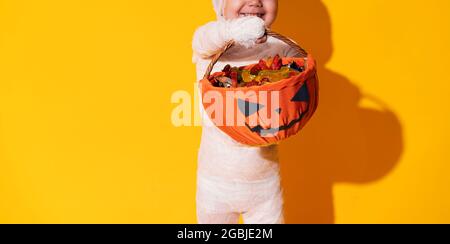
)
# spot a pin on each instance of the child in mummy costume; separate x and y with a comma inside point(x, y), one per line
point(233, 178)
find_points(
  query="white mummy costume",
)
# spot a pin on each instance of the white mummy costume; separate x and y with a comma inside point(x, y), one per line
point(232, 178)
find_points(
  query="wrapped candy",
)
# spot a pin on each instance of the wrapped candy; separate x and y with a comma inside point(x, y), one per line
point(276, 63)
point(266, 71)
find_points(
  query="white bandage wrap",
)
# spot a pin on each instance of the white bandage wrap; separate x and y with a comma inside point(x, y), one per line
point(235, 179)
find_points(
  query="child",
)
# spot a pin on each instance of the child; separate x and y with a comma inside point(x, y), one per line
point(233, 178)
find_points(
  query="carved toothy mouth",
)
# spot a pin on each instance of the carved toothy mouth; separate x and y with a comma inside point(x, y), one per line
point(264, 132)
point(249, 108)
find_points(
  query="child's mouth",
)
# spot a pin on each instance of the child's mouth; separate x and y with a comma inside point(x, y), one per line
point(260, 15)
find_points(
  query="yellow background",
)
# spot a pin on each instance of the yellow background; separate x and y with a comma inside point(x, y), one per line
point(86, 136)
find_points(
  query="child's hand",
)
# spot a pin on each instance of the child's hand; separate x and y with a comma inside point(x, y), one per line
point(261, 40)
point(247, 31)
point(210, 38)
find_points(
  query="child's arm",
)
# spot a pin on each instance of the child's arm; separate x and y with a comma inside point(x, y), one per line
point(210, 38)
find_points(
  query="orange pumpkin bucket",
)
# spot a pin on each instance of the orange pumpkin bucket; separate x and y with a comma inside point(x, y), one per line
point(266, 114)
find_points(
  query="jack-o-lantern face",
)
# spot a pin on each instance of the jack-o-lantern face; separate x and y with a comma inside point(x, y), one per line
point(251, 109)
point(266, 121)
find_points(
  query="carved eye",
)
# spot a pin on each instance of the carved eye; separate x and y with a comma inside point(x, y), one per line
point(301, 95)
point(248, 108)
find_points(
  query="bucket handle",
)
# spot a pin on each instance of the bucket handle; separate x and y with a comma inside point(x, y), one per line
point(229, 44)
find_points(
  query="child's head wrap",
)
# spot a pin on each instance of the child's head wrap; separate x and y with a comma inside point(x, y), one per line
point(218, 7)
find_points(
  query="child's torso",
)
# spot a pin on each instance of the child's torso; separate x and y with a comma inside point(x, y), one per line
point(219, 155)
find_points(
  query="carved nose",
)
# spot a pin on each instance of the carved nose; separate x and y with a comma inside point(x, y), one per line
point(248, 108)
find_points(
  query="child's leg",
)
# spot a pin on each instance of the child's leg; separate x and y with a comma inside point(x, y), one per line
point(269, 207)
point(214, 204)
point(267, 212)
point(204, 217)
point(220, 200)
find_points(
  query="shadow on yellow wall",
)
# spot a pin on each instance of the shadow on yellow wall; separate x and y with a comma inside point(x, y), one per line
point(344, 142)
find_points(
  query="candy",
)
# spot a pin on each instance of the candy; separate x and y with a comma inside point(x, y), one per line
point(262, 65)
point(269, 62)
point(277, 63)
point(247, 76)
point(234, 78)
point(265, 72)
point(226, 68)
point(224, 82)
point(275, 75)
point(255, 70)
